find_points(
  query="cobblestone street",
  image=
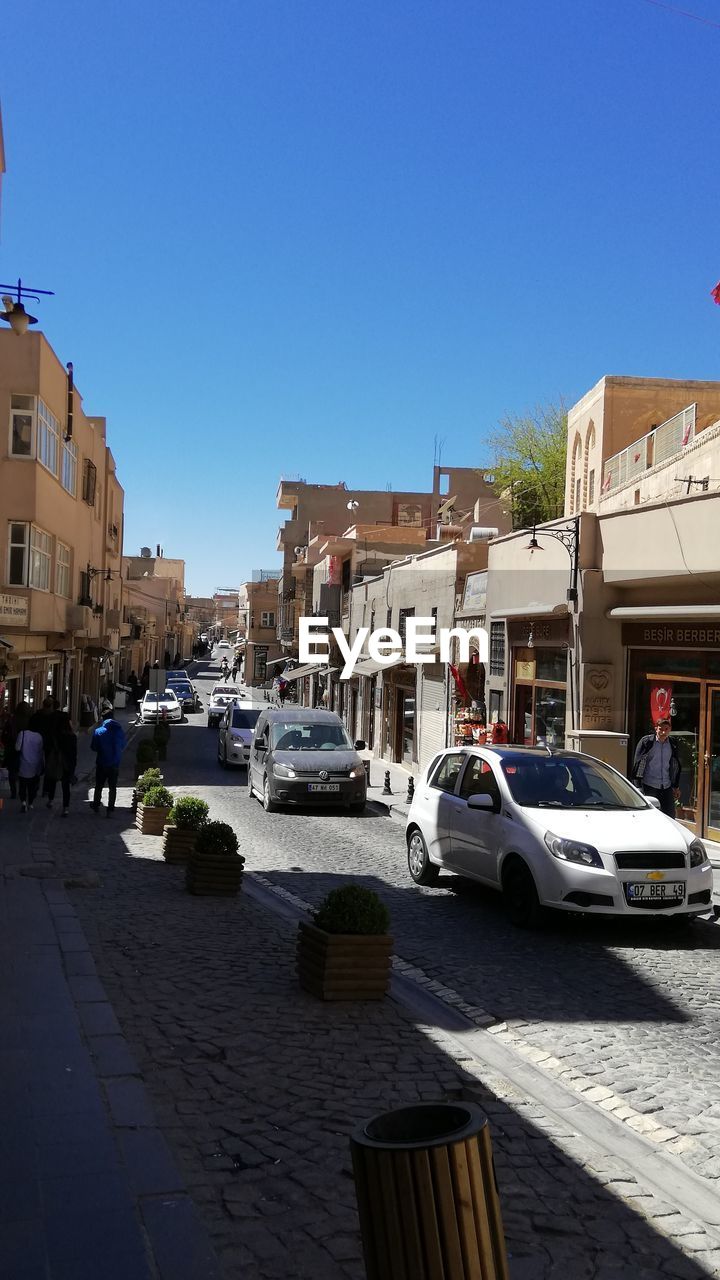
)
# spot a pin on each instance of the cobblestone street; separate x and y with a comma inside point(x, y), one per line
point(256, 1086)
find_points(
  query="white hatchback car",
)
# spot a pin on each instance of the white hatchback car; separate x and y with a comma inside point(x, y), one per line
point(553, 829)
point(153, 707)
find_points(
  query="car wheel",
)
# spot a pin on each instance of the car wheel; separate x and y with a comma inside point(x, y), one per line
point(422, 870)
point(269, 804)
point(521, 898)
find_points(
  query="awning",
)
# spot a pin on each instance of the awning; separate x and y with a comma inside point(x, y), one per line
point(662, 612)
point(369, 667)
point(6, 644)
point(533, 611)
point(276, 662)
point(310, 669)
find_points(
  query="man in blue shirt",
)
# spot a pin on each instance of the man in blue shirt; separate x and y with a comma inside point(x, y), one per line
point(657, 768)
point(108, 741)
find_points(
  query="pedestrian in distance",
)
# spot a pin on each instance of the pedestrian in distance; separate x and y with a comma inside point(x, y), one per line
point(31, 762)
point(45, 723)
point(145, 679)
point(15, 721)
point(282, 691)
point(234, 671)
point(657, 768)
point(108, 742)
point(61, 766)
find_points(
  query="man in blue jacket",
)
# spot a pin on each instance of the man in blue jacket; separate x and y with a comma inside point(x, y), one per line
point(108, 741)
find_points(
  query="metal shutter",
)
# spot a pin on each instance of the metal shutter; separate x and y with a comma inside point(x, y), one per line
point(433, 713)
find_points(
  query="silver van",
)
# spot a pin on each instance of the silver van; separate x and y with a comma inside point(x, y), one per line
point(303, 756)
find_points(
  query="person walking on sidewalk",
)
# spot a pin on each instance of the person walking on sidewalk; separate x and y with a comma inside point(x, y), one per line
point(108, 741)
point(31, 763)
point(657, 768)
point(13, 725)
point(62, 763)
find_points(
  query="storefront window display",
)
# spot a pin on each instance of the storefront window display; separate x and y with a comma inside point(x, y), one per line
point(540, 697)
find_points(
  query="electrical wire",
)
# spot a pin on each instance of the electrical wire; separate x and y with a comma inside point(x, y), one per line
point(683, 13)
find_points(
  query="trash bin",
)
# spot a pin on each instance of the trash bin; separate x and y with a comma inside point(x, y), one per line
point(427, 1196)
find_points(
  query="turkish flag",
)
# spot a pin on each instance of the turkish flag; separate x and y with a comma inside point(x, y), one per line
point(459, 683)
point(660, 699)
point(715, 293)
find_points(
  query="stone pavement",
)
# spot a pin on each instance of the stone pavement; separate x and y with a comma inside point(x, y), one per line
point(88, 1187)
point(257, 1086)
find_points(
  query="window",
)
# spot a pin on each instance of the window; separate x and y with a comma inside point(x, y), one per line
point(22, 415)
point(578, 490)
point(85, 596)
point(40, 559)
point(267, 618)
point(497, 648)
point(403, 616)
point(448, 770)
point(48, 433)
point(260, 663)
point(62, 570)
point(591, 487)
point(89, 482)
point(479, 780)
point(17, 555)
point(69, 467)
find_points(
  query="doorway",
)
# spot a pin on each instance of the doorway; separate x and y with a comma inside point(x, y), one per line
point(711, 765)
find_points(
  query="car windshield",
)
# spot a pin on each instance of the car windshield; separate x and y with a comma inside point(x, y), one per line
point(225, 690)
point(245, 719)
point(181, 686)
point(293, 735)
point(563, 782)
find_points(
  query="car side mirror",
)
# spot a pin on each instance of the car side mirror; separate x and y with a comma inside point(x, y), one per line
point(653, 800)
point(259, 744)
point(360, 745)
point(481, 801)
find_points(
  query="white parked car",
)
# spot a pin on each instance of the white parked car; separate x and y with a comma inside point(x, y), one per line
point(553, 829)
point(154, 705)
point(236, 732)
point(221, 698)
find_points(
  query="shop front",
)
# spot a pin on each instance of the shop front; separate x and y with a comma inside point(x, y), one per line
point(674, 671)
point(539, 680)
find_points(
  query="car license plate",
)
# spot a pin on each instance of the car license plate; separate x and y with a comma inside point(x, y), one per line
point(323, 786)
point(648, 889)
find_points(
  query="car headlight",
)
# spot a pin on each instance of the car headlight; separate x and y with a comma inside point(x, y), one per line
point(357, 772)
point(283, 771)
point(698, 853)
point(573, 851)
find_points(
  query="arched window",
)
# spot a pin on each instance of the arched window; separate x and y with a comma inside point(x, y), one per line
point(576, 476)
point(588, 486)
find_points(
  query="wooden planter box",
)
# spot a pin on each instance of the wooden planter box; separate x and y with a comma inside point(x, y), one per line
point(341, 966)
point(214, 875)
point(151, 821)
point(178, 843)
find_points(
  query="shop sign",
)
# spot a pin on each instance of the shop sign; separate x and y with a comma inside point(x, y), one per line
point(670, 635)
point(475, 593)
point(525, 669)
point(597, 699)
point(545, 631)
point(14, 610)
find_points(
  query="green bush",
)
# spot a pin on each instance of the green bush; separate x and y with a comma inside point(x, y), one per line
point(353, 909)
point(157, 798)
point(189, 813)
point(146, 753)
point(150, 778)
point(216, 838)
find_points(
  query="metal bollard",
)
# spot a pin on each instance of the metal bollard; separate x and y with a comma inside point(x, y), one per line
point(387, 790)
point(410, 790)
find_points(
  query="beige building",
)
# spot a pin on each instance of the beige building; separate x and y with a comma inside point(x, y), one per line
point(61, 526)
point(459, 498)
point(258, 627)
point(643, 494)
point(154, 617)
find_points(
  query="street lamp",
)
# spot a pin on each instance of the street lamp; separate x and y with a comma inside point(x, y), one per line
point(108, 577)
point(15, 314)
point(569, 536)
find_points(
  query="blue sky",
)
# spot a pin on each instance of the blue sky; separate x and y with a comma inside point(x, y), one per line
point(306, 237)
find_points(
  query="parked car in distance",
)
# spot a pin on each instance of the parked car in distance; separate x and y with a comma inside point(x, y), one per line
point(236, 733)
point(301, 755)
point(154, 705)
point(220, 698)
point(553, 829)
point(224, 644)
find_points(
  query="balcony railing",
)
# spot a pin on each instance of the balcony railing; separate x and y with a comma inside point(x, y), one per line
point(657, 446)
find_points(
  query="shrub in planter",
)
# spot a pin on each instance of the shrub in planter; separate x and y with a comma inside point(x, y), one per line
point(152, 811)
point(344, 952)
point(145, 757)
point(150, 778)
point(214, 865)
point(187, 816)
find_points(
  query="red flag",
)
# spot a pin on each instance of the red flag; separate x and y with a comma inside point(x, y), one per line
point(715, 293)
point(660, 700)
point(459, 683)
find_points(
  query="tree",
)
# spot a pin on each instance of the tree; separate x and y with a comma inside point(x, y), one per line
point(529, 465)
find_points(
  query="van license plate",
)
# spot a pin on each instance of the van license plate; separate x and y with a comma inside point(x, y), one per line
point(323, 786)
point(647, 890)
